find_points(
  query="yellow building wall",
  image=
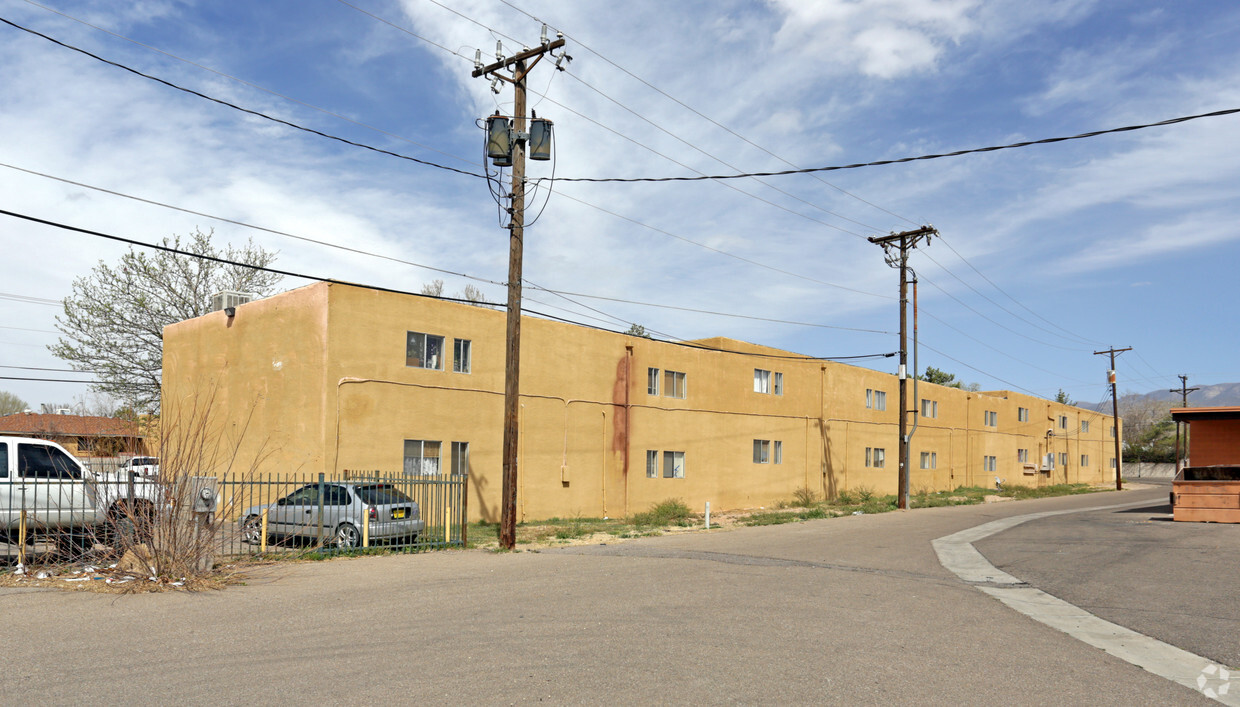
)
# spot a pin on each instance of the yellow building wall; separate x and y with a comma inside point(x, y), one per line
point(321, 373)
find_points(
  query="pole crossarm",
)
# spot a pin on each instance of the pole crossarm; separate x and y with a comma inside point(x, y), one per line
point(899, 238)
point(535, 53)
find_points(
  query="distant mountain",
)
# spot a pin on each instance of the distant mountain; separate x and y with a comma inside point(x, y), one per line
point(1218, 395)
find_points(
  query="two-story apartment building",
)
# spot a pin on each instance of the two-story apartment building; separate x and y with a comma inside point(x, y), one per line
point(330, 377)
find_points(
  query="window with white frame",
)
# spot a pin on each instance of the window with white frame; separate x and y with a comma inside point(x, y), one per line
point(1063, 459)
point(992, 418)
point(1084, 426)
point(990, 463)
point(929, 408)
point(777, 383)
point(779, 452)
point(1022, 414)
point(652, 463)
point(460, 458)
point(875, 457)
point(1022, 456)
point(875, 399)
point(1112, 430)
point(761, 381)
point(1084, 460)
point(1112, 462)
point(652, 381)
point(460, 355)
point(1063, 422)
point(673, 465)
point(761, 451)
point(673, 384)
point(1050, 460)
point(929, 460)
point(423, 351)
point(422, 457)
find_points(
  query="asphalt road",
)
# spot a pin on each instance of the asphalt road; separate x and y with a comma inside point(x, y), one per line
point(854, 610)
point(1177, 582)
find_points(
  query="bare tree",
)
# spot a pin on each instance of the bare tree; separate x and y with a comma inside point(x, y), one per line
point(112, 324)
point(10, 403)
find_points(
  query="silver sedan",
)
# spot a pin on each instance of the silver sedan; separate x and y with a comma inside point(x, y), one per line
point(337, 512)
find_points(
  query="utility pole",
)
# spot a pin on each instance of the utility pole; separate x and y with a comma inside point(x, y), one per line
point(902, 243)
point(1183, 390)
point(1119, 458)
point(510, 139)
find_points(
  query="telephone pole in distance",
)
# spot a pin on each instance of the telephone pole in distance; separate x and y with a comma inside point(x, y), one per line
point(1119, 459)
point(901, 243)
point(1183, 390)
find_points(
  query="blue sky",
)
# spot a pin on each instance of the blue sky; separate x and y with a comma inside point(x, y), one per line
point(1124, 240)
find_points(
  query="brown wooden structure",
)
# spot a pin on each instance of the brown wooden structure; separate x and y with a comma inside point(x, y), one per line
point(1209, 489)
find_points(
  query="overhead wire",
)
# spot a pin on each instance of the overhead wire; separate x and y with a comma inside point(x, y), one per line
point(248, 111)
point(253, 85)
point(935, 285)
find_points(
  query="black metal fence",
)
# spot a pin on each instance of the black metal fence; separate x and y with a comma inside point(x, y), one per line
point(49, 512)
point(350, 511)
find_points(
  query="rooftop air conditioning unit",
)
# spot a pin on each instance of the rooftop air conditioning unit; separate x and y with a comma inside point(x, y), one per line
point(63, 411)
point(228, 298)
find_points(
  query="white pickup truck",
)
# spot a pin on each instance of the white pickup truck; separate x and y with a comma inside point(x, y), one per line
point(58, 494)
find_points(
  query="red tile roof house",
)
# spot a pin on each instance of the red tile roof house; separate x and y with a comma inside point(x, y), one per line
point(84, 436)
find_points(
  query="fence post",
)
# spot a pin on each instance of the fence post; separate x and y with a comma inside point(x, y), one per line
point(320, 520)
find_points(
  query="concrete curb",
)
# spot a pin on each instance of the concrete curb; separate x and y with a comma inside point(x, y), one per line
point(957, 554)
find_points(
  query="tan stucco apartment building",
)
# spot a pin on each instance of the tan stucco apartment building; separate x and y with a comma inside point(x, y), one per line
point(330, 377)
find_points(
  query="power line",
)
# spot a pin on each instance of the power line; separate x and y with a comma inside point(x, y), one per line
point(250, 83)
point(878, 163)
point(705, 117)
point(243, 224)
point(17, 328)
point(933, 284)
point(997, 350)
point(30, 300)
point(234, 106)
point(978, 370)
point(54, 370)
point(47, 380)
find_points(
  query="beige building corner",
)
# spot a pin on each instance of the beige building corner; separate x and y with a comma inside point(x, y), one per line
point(331, 378)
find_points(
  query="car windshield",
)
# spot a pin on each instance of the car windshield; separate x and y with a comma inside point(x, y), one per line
point(381, 495)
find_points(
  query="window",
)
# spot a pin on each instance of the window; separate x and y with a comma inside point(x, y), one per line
point(875, 399)
point(1084, 460)
point(1022, 414)
point(37, 461)
point(929, 408)
point(1112, 462)
point(929, 460)
point(990, 463)
point(421, 457)
point(673, 384)
point(674, 465)
point(779, 452)
point(460, 355)
point(1050, 460)
point(778, 385)
point(460, 458)
point(761, 451)
point(652, 381)
point(1063, 459)
point(1022, 456)
point(761, 381)
point(1112, 430)
point(1063, 422)
point(652, 462)
point(4, 460)
point(992, 418)
point(424, 351)
point(336, 496)
point(876, 457)
point(1084, 426)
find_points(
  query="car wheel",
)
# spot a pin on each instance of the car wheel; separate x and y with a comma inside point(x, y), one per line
point(347, 537)
point(252, 530)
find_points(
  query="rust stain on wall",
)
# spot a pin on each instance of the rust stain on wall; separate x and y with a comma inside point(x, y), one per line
point(620, 420)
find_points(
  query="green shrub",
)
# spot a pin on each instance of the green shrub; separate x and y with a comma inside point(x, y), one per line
point(804, 497)
point(673, 511)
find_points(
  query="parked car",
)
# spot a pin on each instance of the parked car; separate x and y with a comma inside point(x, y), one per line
point(145, 467)
point(40, 480)
point(337, 512)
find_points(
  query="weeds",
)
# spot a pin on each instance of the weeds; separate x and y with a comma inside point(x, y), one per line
point(670, 512)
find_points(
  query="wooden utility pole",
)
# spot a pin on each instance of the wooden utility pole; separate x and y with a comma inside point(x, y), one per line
point(512, 368)
point(1119, 457)
point(903, 242)
point(1183, 390)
